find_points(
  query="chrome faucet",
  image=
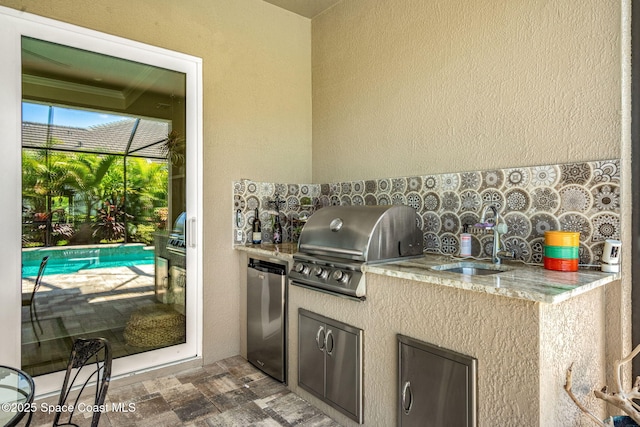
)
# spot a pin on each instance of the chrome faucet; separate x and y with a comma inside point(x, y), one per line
point(498, 229)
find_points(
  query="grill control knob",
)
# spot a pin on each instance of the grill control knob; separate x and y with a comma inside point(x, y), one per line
point(340, 276)
point(300, 268)
point(319, 272)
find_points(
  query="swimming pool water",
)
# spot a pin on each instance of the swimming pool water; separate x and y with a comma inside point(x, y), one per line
point(70, 261)
point(75, 266)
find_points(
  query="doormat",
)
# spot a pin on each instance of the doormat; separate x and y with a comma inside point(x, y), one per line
point(155, 326)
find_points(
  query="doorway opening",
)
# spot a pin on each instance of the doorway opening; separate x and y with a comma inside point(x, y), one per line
point(103, 203)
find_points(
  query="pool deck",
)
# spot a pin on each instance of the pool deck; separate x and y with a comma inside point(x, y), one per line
point(93, 302)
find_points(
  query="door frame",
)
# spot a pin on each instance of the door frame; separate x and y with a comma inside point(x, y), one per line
point(13, 25)
point(635, 177)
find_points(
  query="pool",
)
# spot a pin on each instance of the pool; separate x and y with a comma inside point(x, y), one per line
point(68, 260)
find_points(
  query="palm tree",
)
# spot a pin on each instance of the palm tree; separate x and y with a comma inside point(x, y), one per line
point(45, 175)
point(89, 172)
point(146, 187)
point(94, 179)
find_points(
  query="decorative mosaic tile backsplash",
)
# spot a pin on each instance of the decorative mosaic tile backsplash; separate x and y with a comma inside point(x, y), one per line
point(582, 197)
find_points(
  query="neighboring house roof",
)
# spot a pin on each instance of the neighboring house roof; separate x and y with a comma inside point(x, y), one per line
point(112, 138)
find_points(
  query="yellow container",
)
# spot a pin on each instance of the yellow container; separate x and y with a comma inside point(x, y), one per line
point(562, 238)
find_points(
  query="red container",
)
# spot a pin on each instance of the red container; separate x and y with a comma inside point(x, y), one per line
point(560, 264)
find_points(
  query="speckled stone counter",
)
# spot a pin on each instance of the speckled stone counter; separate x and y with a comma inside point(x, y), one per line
point(522, 281)
point(532, 283)
point(283, 250)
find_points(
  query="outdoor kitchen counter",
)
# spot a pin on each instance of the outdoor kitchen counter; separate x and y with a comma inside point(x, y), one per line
point(283, 250)
point(524, 342)
point(532, 283)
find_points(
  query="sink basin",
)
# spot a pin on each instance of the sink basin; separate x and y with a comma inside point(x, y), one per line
point(470, 268)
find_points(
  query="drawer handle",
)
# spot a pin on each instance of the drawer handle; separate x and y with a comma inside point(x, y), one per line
point(329, 342)
point(319, 341)
point(407, 401)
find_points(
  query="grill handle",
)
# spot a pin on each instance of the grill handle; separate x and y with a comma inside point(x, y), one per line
point(326, 250)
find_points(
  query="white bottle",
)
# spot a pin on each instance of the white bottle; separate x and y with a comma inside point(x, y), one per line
point(465, 243)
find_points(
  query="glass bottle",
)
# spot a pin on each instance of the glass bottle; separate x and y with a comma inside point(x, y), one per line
point(277, 230)
point(257, 229)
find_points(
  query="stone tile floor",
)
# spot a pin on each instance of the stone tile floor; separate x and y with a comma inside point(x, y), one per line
point(92, 302)
point(228, 393)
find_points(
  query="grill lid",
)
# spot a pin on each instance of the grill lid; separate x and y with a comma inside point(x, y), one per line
point(362, 233)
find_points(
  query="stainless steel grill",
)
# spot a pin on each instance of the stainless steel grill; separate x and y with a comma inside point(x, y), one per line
point(176, 242)
point(337, 241)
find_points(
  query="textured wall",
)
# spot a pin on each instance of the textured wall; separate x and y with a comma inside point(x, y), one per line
point(257, 109)
point(574, 332)
point(523, 348)
point(401, 87)
point(619, 298)
point(404, 87)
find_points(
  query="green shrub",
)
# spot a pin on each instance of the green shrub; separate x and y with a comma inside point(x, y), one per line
point(144, 234)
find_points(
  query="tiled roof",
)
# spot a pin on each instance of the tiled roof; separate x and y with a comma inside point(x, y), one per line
point(110, 138)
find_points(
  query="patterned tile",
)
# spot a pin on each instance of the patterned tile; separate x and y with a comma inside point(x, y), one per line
point(582, 197)
point(290, 410)
point(248, 414)
point(258, 400)
point(233, 399)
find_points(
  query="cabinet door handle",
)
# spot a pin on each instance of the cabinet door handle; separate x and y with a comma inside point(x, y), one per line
point(329, 342)
point(407, 398)
point(320, 341)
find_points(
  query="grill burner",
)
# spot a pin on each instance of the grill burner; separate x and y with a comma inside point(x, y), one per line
point(337, 241)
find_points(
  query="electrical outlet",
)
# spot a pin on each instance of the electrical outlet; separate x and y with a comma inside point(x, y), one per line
point(238, 235)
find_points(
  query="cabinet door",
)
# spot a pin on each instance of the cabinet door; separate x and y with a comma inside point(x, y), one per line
point(311, 339)
point(434, 390)
point(342, 369)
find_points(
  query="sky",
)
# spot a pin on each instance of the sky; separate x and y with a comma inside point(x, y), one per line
point(39, 113)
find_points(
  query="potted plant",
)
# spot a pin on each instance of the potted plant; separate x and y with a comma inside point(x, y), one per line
point(174, 147)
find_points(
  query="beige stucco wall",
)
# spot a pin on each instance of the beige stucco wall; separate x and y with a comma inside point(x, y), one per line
point(413, 87)
point(404, 87)
point(574, 332)
point(257, 110)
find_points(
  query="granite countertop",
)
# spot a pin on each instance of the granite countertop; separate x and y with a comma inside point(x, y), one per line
point(285, 250)
point(522, 281)
point(532, 283)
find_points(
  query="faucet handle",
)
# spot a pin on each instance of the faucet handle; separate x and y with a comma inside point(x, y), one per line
point(484, 225)
point(502, 228)
point(506, 254)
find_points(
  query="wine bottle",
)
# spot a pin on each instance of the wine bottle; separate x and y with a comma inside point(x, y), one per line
point(257, 229)
point(277, 230)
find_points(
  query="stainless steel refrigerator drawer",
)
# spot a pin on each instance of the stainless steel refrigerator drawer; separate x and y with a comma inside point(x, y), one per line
point(266, 317)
